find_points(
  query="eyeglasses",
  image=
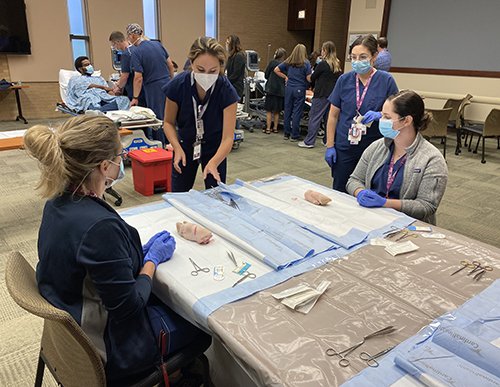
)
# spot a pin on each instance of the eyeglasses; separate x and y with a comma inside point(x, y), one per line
point(123, 155)
point(361, 57)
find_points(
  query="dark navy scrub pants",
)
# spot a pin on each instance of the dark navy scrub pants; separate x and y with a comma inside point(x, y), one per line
point(294, 101)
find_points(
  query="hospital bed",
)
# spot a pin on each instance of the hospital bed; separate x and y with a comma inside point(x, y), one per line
point(135, 140)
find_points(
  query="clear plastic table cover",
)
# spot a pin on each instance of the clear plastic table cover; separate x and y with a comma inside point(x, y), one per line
point(370, 290)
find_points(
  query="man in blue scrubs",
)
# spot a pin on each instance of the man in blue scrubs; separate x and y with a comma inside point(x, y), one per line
point(153, 70)
point(126, 81)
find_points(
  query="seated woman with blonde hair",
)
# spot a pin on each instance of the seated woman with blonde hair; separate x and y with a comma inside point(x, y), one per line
point(402, 170)
point(91, 262)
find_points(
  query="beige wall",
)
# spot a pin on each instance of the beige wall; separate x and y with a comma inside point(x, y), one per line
point(330, 23)
point(259, 23)
point(106, 16)
point(181, 23)
point(436, 88)
point(48, 27)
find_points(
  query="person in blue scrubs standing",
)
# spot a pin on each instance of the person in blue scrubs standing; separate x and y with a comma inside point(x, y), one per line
point(153, 69)
point(294, 70)
point(202, 103)
point(356, 102)
point(126, 81)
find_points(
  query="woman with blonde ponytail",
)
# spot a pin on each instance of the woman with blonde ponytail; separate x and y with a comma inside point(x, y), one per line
point(91, 262)
point(323, 81)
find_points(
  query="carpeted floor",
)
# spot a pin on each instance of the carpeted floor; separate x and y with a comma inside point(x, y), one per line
point(470, 207)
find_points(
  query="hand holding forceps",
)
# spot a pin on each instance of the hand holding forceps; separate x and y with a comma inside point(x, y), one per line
point(343, 362)
point(197, 269)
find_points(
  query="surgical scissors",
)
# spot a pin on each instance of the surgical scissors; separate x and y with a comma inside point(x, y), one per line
point(406, 234)
point(370, 360)
point(464, 265)
point(197, 269)
point(483, 269)
point(247, 275)
point(343, 362)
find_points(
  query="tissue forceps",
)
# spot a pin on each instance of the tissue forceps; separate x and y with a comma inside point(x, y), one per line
point(393, 231)
point(197, 269)
point(464, 265)
point(370, 360)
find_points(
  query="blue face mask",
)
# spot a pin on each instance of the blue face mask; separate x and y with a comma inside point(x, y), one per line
point(318, 60)
point(386, 128)
point(361, 66)
point(89, 69)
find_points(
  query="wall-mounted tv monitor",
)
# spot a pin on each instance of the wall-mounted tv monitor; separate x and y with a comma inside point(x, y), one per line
point(14, 38)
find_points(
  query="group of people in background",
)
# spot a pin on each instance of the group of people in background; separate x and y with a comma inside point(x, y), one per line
point(372, 128)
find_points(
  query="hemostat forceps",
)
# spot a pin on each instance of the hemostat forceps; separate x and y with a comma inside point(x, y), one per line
point(370, 360)
point(197, 269)
point(343, 362)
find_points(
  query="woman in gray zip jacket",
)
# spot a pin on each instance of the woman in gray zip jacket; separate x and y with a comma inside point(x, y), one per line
point(401, 170)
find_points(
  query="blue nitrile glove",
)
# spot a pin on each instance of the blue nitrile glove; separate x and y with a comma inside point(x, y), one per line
point(370, 116)
point(147, 246)
point(368, 198)
point(331, 156)
point(162, 249)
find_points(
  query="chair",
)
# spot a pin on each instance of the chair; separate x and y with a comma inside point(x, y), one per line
point(438, 127)
point(490, 128)
point(67, 351)
point(457, 116)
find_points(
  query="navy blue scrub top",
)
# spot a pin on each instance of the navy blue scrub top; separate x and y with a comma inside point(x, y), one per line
point(343, 97)
point(180, 91)
point(126, 64)
point(296, 75)
point(379, 181)
point(150, 59)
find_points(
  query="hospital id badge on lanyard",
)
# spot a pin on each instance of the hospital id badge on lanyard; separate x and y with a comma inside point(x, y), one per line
point(200, 129)
point(357, 129)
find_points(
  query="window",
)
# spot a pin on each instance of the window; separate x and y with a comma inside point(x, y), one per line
point(77, 10)
point(150, 10)
point(211, 18)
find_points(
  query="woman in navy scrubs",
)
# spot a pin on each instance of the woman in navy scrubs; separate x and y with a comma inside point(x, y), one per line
point(402, 170)
point(202, 103)
point(358, 96)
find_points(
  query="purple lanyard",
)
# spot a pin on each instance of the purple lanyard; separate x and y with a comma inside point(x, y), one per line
point(359, 102)
point(391, 176)
point(79, 191)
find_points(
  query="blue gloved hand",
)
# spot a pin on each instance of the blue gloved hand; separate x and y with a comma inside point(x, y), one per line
point(161, 249)
point(370, 116)
point(368, 198)
point(147, 246)
point(331, 156)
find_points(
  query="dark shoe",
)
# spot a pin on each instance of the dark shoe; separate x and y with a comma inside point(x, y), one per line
point(296, 139)
point(286, 137)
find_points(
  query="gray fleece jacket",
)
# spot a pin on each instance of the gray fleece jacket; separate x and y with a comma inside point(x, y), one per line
point(424, 179)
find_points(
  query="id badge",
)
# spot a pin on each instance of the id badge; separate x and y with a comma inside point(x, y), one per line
point(199, 128)
point(354, 134)
point(197, 151)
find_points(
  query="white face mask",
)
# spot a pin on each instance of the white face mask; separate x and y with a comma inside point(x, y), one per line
point(205, 80)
